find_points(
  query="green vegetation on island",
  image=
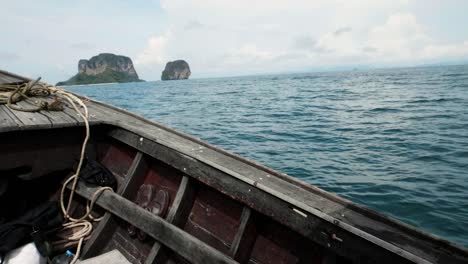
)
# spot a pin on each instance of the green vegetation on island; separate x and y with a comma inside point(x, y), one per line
point(108, 76)
point(104, 68)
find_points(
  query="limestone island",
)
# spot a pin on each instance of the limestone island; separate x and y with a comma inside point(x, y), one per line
point(176, 70)
point(104, 68)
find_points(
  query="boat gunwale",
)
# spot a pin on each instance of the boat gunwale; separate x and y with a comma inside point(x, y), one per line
point(289, 179)
point(364, 210)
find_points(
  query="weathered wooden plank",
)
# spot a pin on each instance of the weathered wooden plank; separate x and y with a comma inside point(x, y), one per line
point(10, 113)
point(157, 254)
point(245, 237)
point(70, 112)
point(171, 236)
point(135, 173)
point(7, 122)
point(107, 225)
point(178, 215)
point(31, 119)
point(182, 203)
point(43, 119)
point(9, 77)
point(59, 118)
point(94, 114)
point(100, 112)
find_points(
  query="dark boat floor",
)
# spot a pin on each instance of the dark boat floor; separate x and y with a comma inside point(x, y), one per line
point(333, 222)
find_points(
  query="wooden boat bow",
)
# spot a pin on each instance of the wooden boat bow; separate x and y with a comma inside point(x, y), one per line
point(223, 208)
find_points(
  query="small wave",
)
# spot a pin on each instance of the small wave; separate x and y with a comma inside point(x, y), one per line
point(305, 77)
point(429, 117)
point(461, 154)
point(395, 78)
point(226, 93)
point(385, 109)
point(415, 179)
point(295, 97)
point(459, 86)
point(392, 131)
point(430, 158)
point(398, 83)
point(344, 129)
point(439, 100)
point(454, 74)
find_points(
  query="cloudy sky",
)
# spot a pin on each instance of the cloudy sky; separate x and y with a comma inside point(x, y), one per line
point(231, 37)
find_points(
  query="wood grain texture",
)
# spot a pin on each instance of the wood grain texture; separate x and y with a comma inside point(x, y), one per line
point(31, 119)
point(245, 237)
point(107, 225)
point(176, 239)
point(7, 121)
point(9, 77)
point(177, 216)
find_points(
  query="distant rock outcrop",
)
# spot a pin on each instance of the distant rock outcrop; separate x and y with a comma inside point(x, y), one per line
point(104, 68)
point(176, 70)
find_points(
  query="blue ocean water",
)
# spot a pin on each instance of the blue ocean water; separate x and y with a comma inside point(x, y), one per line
point(395, 140)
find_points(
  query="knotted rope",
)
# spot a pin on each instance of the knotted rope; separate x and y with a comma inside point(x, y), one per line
point(10, 94)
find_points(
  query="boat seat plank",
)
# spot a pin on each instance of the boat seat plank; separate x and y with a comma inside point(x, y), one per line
point(176, 239)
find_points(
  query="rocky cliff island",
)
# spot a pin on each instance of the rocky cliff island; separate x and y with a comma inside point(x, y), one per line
point(104, 68)
point(176, 70)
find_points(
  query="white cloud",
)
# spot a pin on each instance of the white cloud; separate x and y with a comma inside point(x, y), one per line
point(240, 37)
point(248, 53)
point(449, 51)
point(399, 38)
point(230, 37)
point(154, 51)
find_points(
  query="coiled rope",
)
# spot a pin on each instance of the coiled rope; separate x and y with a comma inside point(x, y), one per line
point(10, 94)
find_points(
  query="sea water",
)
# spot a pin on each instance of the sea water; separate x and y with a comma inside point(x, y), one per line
point(395, 140)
